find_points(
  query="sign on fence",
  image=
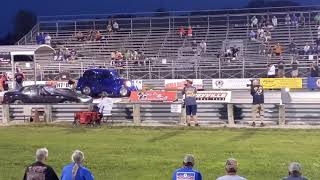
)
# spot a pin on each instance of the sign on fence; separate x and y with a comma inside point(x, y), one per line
point(230, 83)
point(213, 96)
point(176, 108)
point(153, 96)
point(178, 84)
point(313, 83)
point(279, 83)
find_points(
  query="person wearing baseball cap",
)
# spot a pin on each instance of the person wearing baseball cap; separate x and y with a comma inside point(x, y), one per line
point(190, 92)
point(231, 170)
point(295, 172)
point(187, 171)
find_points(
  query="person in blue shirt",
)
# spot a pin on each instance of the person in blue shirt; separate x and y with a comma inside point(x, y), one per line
point(75, 170)
point(187, 172)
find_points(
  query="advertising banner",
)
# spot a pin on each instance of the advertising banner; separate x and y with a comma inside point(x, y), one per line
point(313, 83)
point(153, 96)
point(5, 58)
point(213, 96)
point(57, 84)
point(279, 83)
point(230, 83)
point(178, 84)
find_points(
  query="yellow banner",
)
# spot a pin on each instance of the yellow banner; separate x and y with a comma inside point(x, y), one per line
point(278, 83)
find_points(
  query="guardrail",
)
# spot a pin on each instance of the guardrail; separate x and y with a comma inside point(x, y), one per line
point(160, 113)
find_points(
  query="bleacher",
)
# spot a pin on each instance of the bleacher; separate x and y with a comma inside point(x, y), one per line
point(158, 39)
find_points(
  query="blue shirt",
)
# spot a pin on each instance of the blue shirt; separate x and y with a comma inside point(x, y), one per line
point(82, 173)
point(186, 173)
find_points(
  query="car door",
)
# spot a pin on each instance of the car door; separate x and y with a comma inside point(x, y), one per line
point(107, 82)
point(48, 95)
point(30, 94)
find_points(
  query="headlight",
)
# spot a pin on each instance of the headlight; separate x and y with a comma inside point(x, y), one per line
point(128, 84)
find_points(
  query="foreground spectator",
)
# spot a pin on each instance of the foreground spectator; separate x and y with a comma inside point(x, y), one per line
point(295, 172)
point(314, 70)
point(75, 170)
point(294, 66)
point(19, 77)
point(271, 71)
point(231, 170)
point(281, 71)
point(39, 170)
point(187, 171)
point(190, 102)
point(257, 94)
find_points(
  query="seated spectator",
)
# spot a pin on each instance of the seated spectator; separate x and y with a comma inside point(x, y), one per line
point(79, 36)
point(278, 50)
point(135, 55)
point(40, 39)
point(128, 55)
point(268, 36)
point(294, 67)
point(287, 20)
point(231, 171)
point(281, 71)
point(119, 55)
point(234, 52)
point(271, 71)
point(203, 47)
point(295, 172)
point(181, 32)
point(252, 35)
point(254, 21)
point(75, 170)
point(187, 171)
point(73, 55)
point(295, 21)
point(292, 47)
point(66, 54)
point(306, 49)
point(317, 19)
point(98, 36)
point(109, 28)
point(262, 21)
point(274, 21)
point(317, 41)
point(189, 33)
point(115, 26)
point(261, 34)
point(302, 20)
point(314, 70)
point(113, 55)
point(47, 39)
point(39, 170)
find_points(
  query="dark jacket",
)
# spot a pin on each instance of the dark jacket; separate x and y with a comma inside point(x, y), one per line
point(38, 170)
point(257, 94)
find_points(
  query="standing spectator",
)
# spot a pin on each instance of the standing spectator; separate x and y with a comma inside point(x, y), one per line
point(294, 66)
point(295, 21)
point(271, 71)
point(187, 171)
point(98, 36)
point(263, 21)
point(274, 21)
point(39, 170)
point(252, 35)
point(19, 77)
point(314, 70)
point(281, 69)
point(203, 47)
point(302, 20)
point(295, 172)
point(181, 32)
point(75, 170)
point(4, 86)
point(115, 26)
point(292, 47)
point(66, 54)
point(306, 49)
point(47, 39)
point(79, 36)
point(287, 20)
point(254, 21)
point(268, 36)
point(190, 102)
point(257, 94)
point(231, 170)
point(317, 19)
point(261, 34)
point(109, 28)
point(39, 38)
point(189, 33)
point(278, 50)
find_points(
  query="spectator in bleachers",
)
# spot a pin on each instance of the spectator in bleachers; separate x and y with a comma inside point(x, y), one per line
point(47, 39)
point(66, 54)
point(295, 172)
point(292, 47)
point(234, 52)
point(109, 28)
point(181, 32)
point(257, 94)
point(119, 55)
point(98, 36)
point(317, 42)
point(115, 26)
point(261, 34)
point(317, 19)
point(302, 20)
point(254, 21)
point(262, 21)
point(135, 55)
point(231, 168)
point(189, 32)
point(318, 32)
point(281, 69)
point(314, 70)
point(73, 55)
point(278, 50)
point(294, 67)
point(287, 20)
point(275, 21)
point(203, 47)
point(75, 170)
point(128, 55)
point(113, 55)
point(307, 49)
point(271, 71)
point(295, 21)
point(252, 35)
point(40, 38)
point(187, 171)
point(79, 36)
point(268, 36)
point(39, 170)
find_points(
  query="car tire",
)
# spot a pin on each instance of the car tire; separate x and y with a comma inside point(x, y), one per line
point(17, 102)
point(86, 90)
point(67, 102)
point(124, 91)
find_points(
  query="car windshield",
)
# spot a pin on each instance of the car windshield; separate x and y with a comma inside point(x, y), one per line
point(29, 90)
point(51, 90)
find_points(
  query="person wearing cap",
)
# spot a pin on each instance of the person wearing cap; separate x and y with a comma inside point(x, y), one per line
point(257, 94)
point(295, 172)
point(190, 92)
point(187, 171)
point(75, 170)
point(231, 170)
point(39, 170)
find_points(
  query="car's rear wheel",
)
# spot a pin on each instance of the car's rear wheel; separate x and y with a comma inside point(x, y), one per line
point(86, 90)
point(17, 102)
point(123, 91)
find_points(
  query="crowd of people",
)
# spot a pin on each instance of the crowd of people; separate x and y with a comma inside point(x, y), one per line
point(118, 58)
point(65, 55)
point(43, 38)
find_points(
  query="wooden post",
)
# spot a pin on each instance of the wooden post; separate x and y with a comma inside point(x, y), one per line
point(136, 114)
point(48, 113)
point(5, 114)
point(282, 114)
point(230, 115)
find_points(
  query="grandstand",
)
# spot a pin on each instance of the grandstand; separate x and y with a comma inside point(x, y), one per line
point(156, 36)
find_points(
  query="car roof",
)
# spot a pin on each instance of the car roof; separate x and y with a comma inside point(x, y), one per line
point(103, 70)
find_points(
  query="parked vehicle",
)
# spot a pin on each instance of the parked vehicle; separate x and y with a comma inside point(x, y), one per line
point(44, 94)
point(103, 82)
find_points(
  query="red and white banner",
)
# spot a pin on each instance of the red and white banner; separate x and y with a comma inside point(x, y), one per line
point(230, 84)
point(153, 96)
point(214, 96)
point(178, 84)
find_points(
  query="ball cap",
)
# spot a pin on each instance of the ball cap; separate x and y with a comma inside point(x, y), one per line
point(189, 81)
point(232, 164)
point(294, 166)
point(188, 158)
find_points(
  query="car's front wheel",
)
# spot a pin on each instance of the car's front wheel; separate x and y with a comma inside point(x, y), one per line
point(124, 91)
point(86, 90)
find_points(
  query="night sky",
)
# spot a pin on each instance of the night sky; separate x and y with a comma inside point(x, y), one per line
point(71, 7)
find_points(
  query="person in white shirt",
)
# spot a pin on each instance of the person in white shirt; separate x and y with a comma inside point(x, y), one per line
point(271, 71)
point(47, 39)
point(274, 21)
point(231, 170)
point(254, 21)
point(306, 49)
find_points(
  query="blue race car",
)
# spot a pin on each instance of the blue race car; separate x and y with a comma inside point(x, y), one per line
point(103, 82)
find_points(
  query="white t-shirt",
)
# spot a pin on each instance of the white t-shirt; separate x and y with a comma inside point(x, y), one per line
point(272, 70)
point(228, 177)
point(47, 39)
